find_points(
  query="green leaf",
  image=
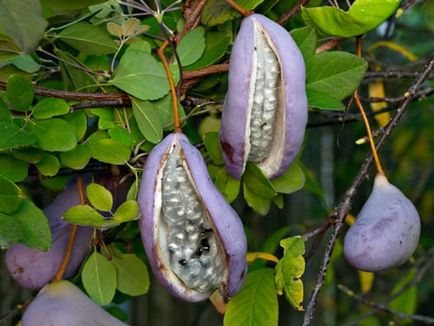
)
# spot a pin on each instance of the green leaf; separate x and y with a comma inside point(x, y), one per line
point(141, 75)
point(216, 46)
point(121, 135)
point(109, 151)
point(23, 21)
point(50, 107)
point(10, 231)
point(187, 53)
point(305, 37)
point(29, 155)
point(99, 197)
point(289, 271)
point(10, 196)
point(217, 12)
point(77, 158)
point(13, 169)
point(257, 182)
point(26, 63)
point(75, 4)
point(212, 145)
point(132, 274)
point(12, 136)
point(148, 120)
point(20, 92)
point(5, 115)
point(73, 77)
point(128, 211)
point(227, 185)
point(88, 39)
point(35, 228)
point(322, 100)
point(54, 135)
point(99, 278)
point(256, 304)
point(363, 16)
point(164, 108)
point(87, 216)
point(259, 204)
point(78, 121)
point(337, 73)
point(292, 181)
point(49, 165)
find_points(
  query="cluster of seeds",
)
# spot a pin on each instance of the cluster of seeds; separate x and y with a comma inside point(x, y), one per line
point(263, 97)
point(195, 256)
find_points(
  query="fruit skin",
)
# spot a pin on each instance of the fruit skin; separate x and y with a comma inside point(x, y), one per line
point(32, 268)
point(386, 232)
point(235, 119)
point(61, 303)
point(226, 223)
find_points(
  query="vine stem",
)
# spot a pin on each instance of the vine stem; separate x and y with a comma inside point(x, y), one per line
point(163, 58)
point(365, 118)
point(239, 8)
point(72, 235)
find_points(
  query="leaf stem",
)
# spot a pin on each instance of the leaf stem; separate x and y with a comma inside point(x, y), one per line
point(238, 8)
point(365, 119)
point(160, 52)
point(72, 235)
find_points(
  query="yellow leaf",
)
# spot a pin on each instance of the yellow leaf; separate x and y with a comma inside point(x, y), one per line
point(394, 47)
point(366, 280)
point(376, 89)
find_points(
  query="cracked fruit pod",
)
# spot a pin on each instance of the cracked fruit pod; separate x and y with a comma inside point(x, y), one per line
point(386, 232)
point(265, 111)
point(194, 240)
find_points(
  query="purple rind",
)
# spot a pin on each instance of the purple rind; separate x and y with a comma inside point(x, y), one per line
point(62, 303)
point(32, 268)
point(234, 119)
point(386, 232)
point(226, 223)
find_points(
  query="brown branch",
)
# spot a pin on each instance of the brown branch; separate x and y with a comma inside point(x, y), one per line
point(4, 319)
point(239, 8)
point(334, 42)
point(393, 74)
point(214, 69)
point(293, 11)
point(344, 206)
point(384, 308)
point(192, 17)
point(68, 95)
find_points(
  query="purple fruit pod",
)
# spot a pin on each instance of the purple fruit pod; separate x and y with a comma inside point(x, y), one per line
point(32, 268)
point(386, 232)
point(62, 303)
point(194, 240)
point(265, 110)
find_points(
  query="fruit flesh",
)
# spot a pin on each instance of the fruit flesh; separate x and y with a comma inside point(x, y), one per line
point(386, 232)
point(63, 304)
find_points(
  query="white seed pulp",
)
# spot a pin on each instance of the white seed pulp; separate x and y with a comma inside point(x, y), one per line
point(192, 247)
point(264, 96)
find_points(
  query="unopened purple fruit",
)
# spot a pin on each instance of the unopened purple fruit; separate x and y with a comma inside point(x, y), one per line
point(386, 232)
point(32, 268)
point(265, 111)
point(194, 240)
point(63, 304)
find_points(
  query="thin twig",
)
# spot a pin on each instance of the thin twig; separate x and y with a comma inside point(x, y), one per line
point(383, 308)
point(192, 17)
point(292, 12)
point(239, 8)
point(344, 206)
point(4, 319)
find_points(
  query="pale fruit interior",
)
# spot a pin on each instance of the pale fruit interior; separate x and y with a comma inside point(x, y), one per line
point(266, 105)
point(188, 243)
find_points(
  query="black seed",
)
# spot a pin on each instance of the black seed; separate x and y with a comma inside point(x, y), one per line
point(182, 262)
